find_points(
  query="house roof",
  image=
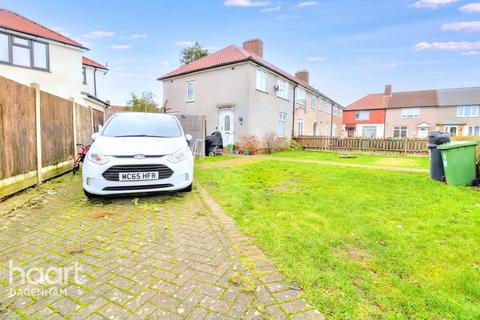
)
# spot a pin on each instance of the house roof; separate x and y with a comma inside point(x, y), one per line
point(13, 21)
point(459, 96)
point(231, 55)
point(369, 102)
point(89, 62)
point(425, 98)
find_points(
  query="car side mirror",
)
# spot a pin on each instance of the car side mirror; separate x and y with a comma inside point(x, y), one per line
point(94, 136)
point(188, 137)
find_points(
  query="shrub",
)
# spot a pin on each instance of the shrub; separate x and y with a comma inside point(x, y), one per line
point(269, 142)
point(251, 144)
point(294, 145)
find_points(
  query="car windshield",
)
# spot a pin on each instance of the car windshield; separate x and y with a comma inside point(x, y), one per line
point(142, 126)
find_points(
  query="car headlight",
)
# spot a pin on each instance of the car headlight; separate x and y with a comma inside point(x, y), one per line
point(97, 157)
point(180, 155)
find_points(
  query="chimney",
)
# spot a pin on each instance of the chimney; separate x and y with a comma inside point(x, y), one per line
point(303, 75)
point(254, 46)
point(388, 90)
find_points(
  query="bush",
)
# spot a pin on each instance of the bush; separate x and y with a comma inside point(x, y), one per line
point(269, 142)
point(251, 144)
point(294, 145)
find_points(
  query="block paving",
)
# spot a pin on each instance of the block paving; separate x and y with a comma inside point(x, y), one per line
point(175, 256)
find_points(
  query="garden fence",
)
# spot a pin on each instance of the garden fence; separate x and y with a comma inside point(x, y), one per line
point(38, 134)
point(358, 144)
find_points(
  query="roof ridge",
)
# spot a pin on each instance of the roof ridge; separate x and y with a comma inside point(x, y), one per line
point(42, 26)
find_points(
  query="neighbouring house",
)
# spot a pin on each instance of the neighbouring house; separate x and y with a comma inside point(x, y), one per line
point(32, 53)
point(414, 114)
point(111, 110)
point(242, 94)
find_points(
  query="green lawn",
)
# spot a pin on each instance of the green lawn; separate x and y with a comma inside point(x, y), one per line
point(364, 244)
point(418, 162)
point(214, 159)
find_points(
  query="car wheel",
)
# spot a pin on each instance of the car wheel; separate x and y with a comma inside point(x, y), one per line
point(90, 195)
point(188, 189)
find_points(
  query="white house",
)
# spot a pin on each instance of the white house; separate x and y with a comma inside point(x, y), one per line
point(32, 53)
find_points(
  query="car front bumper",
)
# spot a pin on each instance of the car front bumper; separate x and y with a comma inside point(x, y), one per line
point(95, 183)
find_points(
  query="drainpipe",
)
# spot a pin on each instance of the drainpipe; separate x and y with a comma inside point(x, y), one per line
point(331, 121)
point(384, 123)
point(293, 113)
point(95, 81)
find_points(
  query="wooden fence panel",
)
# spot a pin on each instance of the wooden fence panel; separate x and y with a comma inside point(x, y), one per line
point(193, 125)
point(405, 146)
point(97, 117)
point(83, 124)
point(17, 128)
point(57, 129)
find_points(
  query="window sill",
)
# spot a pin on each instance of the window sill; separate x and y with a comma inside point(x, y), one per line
point(286, 99)
point(467, 116)
point(262, 91)
point(189, 101)
point(24, 67)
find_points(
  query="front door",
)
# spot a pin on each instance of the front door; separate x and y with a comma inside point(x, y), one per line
point(422, 133)
point(452, 130)
point(225, 125)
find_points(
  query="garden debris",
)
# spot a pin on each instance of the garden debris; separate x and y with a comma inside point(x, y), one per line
point(102, 213)
point(35, 203)
point(295, 287)
point(75, 249)
point(52, 192)
point(244, 282)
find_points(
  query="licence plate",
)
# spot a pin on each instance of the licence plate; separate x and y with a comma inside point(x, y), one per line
point(137, 176)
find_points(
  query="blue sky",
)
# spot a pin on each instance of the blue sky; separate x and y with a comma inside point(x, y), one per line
point(350, 47)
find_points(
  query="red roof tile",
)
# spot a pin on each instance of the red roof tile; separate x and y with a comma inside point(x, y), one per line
point(426, 98)
point(89, 62)
point(230, 55)
point(369, 102)
point(13, 21)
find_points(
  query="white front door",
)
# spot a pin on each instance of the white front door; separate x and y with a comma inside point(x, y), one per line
point(422, 133)
point(452, 130)
point(225, 125)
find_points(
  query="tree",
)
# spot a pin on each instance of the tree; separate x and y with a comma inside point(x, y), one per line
point(190, 54)
point(144, 103)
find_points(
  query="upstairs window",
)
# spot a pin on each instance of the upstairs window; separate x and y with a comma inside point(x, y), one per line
point(336, 111)
point(362, 115)
point(190, 91)
point(320, 104)
point(410, 113)
point(24, 52)
point(262, 78)
point(328, 108)
point(283, 89)
point(301, 96)
point(84, 75)
point(467, 111)
point(313, 102)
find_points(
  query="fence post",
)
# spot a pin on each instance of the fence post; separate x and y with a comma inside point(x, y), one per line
point(405, 146)
point(38, 132)
point(74, 121)
point(91, 121)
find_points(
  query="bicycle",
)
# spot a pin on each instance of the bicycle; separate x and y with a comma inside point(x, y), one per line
point(80, 156)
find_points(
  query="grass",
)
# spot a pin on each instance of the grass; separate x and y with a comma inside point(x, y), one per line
point(418, 162)
point(214, 159)
point(364, 244)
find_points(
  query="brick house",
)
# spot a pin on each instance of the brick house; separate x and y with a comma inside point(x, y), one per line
point(242, 94)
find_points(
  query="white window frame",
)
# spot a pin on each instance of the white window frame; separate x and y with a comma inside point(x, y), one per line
point(329, 108)
point(320, 103)
point(369, 128)
point(282, 120)
point(300, 126)
point(334, 130)
point(262, 80)
point(410, 113)
point(301, 97)
point(84, 75)
point(365, 117)
point(400, 129)
point(471, 131)
point(462, 114)
point(30, 47)
point(192, 98)
point(313, 102)
point(283, 90)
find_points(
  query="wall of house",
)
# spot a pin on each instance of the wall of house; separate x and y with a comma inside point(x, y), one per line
point(64, 78)
point(450, 112)
point(321, 115)
point(393, 118)
point(231, 88)
point(90, 86)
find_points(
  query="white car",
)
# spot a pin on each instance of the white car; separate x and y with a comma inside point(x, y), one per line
point(138, 153)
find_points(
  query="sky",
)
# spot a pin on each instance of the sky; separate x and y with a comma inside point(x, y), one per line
point(351, 47)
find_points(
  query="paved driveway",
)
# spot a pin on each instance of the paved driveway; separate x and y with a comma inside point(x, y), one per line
point(164, 257)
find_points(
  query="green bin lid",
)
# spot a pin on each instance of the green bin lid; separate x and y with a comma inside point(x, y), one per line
point(458, 144)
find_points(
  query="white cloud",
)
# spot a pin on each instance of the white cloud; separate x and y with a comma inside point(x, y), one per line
point(305, 4)
point(164, 63)
point(185, 43)
point(316, 59)
point(99, 34)
point(246, 3)
point(83, 42)
point(470, 8)
point(61, 31)
point(434, 4)
point(451, 46)
point(137, 36)
point(467, 26)
point(121, 46)
point(471, 53)
point(271, 9)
